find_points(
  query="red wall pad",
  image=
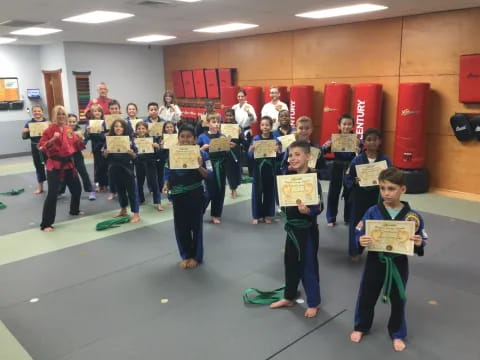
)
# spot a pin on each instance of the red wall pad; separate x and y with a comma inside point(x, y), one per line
point(367, 107)
point(187, 77)
point(199, 81)
point(469, 82)
point(226, 77)
point(301, 102)
point(211, 78)
point(283, 94)
point(410, 139)
point(178, 84)
point(336, 102)
point(228, 97)
point(254, 98)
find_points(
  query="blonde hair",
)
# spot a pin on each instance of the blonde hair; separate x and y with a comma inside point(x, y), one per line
point(213, 116)
point(304, 119)
point(97, 107)
point(55, 111)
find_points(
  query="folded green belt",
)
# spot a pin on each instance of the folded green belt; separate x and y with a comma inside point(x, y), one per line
point(262, 297)
point(13, 192)
point(112, 223)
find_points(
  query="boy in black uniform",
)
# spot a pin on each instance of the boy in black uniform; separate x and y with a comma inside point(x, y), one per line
point(381, 268)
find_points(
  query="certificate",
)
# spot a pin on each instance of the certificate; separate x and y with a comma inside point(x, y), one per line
point(184, 157)
point(134, 123)
point(314, 153)
point(292, 188)
point(170, 140)
point(144, 145)
point(118, 144)
point(344, 143)
point(109, 119)
point(230, 130)
point(37, 128)
point(96, 126)
point(368, 173)
point(265, 149)
point(219, 144)
point(286, 140)
point(156, 129)
point(390, 236)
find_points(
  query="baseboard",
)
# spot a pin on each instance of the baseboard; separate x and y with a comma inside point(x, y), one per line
point(455, 194)
point(6, 156)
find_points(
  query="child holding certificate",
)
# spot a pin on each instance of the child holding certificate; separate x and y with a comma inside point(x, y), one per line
point(362, 198)
point(301, 245)
point(169, 128)
point(121, 171)
point(38, 160)
point(186, 189)
point(285, 128)
point(216, 183)
point(145, 166)
point(234, 158)
point(264, 172)
point(380, 267)
point(96, 134)
point(340, 165)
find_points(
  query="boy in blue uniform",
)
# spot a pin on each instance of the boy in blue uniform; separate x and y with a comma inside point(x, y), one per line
point(340, 165)
point(362, 198)
point(285, 128)
point(392, 186)
point(301, 245)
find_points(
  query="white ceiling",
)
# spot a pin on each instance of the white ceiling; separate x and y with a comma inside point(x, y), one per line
point(179, 19)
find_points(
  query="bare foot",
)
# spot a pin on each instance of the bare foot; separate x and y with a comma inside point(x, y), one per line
point(111, 196)
point(160, 207)
point(48, 229)
point(356, 336)
point(255, 221)
point(398, 345)
point(183, 264)
point(332, 224)
point(169, 203)
point(267, 220)
point(355, 258)
point(80, 212)
point(234, 194)
point(39, 189)
point(216, 220)
point(281, 303)
point(122, 212)
point(311, 312)
point(192, 263)
point(135, 218)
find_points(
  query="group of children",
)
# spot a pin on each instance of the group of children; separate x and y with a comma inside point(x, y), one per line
point(190, 192)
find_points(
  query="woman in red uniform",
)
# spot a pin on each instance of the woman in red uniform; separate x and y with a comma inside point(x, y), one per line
point(59, 143)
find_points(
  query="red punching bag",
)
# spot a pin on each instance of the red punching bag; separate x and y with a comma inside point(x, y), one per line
point(335, 103)
point(283, 90)
point(301, 102)
point(410, 132)
point(228, 97)
point(367, 107)
point(254, 98)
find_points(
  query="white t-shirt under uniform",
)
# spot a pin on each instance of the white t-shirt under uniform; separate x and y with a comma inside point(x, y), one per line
point(269, 109)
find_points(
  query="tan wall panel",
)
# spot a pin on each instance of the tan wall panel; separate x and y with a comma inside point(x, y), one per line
point(432, 43)
point(362, 49)
point(258, 57)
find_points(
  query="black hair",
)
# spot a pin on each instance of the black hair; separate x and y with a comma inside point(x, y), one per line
point(113, 102)
point(153, 103)
point(187, 127)
point(72, 115)
point(165, 125)
point(346, 116)
point(371, 131)
point(393, 175)
point(111, 132)
point(268, 118)
point(136, 108)
point(141, 123)
point(302, 144)
point(242, 91)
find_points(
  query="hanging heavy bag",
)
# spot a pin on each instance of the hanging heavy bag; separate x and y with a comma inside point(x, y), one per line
point(475, 123)
point(461, 127)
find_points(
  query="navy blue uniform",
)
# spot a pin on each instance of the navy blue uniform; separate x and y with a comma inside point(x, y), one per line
point(187, 192)
point(161, 158)
point(100, 167)
point(217, 182)
point(360, 198)
point(233, 165)
point(146, 167)
point(37, 156)
point(302, 263)
point(374, 273)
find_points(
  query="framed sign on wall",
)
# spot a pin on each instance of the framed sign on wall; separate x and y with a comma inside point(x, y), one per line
point(9, 90)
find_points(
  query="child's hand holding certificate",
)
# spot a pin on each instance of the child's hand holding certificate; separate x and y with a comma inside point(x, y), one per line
point(368, 173)
point(144, 145)
point(265, 149)
point(118, 144)
point(183, 157)
point(292, 188)
point(390, 236)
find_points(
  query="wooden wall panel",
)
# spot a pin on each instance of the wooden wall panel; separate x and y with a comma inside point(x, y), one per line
point(258, 57)
point(361, 49)
point(432, 43)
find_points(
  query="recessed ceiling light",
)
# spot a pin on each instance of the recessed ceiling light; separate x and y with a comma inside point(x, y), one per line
point(6, 40)
point(98, 16)
point(341, 11)
point(226, 27)
point(151, 38)
point(35, 31)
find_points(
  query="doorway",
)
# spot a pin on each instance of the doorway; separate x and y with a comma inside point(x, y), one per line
point(53, 88)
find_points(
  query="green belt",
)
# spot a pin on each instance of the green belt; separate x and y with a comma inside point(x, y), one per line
point(391, 275)
point(260, 166)
point(291, 225)
point(112, 223)
point(233, 155)
point(2, 205)
point(13, 192)
point(183, 189)
point(263, 297)
point(217, 163)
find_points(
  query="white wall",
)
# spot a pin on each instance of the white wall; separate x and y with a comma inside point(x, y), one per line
point(133, 73)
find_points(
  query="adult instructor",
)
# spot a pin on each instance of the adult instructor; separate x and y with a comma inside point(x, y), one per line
point(101, 100)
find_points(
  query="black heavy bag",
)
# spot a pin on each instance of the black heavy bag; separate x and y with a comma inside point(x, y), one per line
point(475, 123)
point(461, 127)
